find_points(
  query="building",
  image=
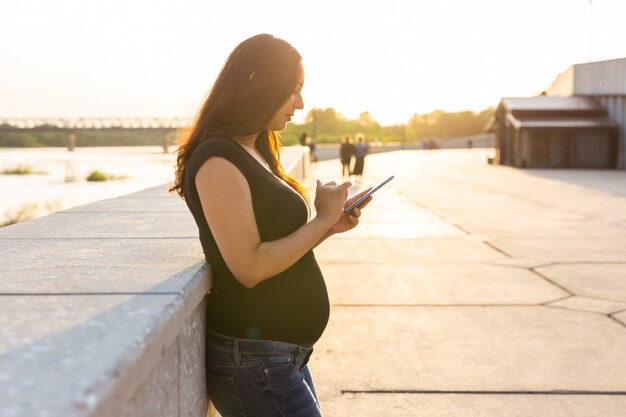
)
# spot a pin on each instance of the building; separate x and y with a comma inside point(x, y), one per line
point(580, 122)
point(564, 132)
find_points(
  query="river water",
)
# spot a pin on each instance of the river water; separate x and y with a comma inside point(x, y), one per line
point(62, 182)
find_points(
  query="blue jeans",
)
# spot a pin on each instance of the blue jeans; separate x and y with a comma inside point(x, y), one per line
point(259, 378)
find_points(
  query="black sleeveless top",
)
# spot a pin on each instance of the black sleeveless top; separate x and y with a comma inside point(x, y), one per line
point(291, 306)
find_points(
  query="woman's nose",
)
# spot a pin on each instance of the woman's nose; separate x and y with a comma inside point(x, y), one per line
point(298, 103)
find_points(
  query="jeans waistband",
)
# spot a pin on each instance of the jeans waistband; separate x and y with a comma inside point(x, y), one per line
point(300, 354)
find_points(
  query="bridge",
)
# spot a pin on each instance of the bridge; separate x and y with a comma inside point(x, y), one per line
point(73, 125)
point(82, 123)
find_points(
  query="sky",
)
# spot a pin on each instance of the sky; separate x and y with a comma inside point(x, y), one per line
point(392, 58)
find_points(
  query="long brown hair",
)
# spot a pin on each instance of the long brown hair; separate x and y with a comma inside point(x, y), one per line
point(256, 80)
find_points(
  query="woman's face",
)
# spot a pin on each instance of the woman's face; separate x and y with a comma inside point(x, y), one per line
point(289, 107)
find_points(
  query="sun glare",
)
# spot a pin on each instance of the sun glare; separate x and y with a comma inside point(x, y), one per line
point(392, 58)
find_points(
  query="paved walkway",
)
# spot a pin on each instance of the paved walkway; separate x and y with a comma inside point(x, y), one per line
point(476, 290)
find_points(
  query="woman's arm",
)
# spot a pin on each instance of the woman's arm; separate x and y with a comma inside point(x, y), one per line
point(227, 205)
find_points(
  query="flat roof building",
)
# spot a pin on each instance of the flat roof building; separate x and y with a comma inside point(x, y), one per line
point(554, 132)
point(579, 122)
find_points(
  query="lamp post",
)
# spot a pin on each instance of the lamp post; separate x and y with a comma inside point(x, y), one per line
point(589, 40)
point(314, 125)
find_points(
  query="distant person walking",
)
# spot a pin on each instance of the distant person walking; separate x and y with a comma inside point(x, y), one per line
point(346, 152)
point(312, 150)
point(361, 149)
point(306, 140)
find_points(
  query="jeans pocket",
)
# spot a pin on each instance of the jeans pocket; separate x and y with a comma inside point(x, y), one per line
point(290, 391)
point(282, 374)
point(224, 395)
point(222, 389)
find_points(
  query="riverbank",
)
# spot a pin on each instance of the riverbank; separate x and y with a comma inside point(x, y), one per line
point(62, 184)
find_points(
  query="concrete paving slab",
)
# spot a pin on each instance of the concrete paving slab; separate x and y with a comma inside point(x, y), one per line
point(401, 230)
point(519, 191)
point(479, 405)
point(25, 319)
point(158, 191)
point(110, 225)
point(525, 218)
point(609, 181)
point(439, 179)
point(442, 197)
point(388, 205)
point(620, 317)
point(420, 284)
point(68, 266)
point(520, 222)
point(469, 349)
point(559, 250)
point(527, 263)
point(593, 280)
point(406, 251)
point(390, 215)
point(592, 305)
point(143, 205)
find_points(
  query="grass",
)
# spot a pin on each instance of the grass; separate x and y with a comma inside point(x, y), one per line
point(103, 176)
point(22, 170)
point(28, 211)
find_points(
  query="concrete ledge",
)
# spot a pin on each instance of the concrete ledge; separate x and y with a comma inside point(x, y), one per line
point(102, 309)
point(295, 161)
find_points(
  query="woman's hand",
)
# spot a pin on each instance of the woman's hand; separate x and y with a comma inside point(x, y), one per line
point(329, 201)
point(350, 220)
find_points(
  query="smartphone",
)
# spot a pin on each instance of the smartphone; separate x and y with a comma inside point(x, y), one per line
point(369, 193)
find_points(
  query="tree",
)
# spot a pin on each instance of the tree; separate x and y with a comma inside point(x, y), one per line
point(441, 124)
point(365, 119)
